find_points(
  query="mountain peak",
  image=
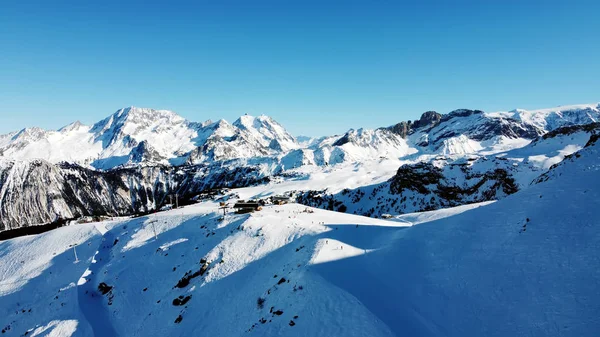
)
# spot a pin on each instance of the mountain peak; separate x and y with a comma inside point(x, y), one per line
point(70, 127)
point(255, 122)
point(133, 112)
point(32, 132)
point(266, 128)
point(137, 117)
point(244, 121)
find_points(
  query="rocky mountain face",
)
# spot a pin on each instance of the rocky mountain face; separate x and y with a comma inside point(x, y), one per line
point(37, 192)
point(428, 119)
point(460, 129)
point(129, 161)
point(419, 187)
point(453, 181)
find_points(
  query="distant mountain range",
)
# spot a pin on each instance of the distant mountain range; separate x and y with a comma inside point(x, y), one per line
point(130, 161)
point(133, 136)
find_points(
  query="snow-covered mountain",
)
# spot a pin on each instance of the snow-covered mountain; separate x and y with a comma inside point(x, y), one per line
point(138, 135)
point(524, 265)
point(448, 181)
point(133, 135)
point(468, 131)
point(145, 154)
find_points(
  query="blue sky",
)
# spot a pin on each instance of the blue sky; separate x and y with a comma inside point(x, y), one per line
point(318, 67)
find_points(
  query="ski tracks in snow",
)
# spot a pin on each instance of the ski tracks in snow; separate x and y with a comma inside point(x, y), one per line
point(91, 301)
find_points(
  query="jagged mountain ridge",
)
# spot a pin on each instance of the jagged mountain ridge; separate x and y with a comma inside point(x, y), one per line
point(448, 181)
point(141, 147)
point(133, 136)
point(36, 192)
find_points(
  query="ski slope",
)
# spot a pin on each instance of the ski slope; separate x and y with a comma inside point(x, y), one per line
point(38, 282)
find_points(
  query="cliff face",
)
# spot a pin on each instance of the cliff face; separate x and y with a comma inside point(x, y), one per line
point(36, 192)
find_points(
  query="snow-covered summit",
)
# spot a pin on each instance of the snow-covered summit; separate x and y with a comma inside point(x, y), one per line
point(551, 118)
point(133, 118)
point(172, 139)
point(267, 131)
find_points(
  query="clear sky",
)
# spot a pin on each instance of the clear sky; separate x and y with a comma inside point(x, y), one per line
point(318, 67)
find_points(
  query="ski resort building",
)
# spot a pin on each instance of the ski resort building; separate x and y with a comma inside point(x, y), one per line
point(281, 199)
point(246, 206)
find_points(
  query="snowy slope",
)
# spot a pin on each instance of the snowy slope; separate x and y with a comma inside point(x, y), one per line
point(524, 265)
point(38, 282)
point(245, 252)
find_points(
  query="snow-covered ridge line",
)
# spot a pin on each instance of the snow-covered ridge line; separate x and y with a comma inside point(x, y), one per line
point(133, 135)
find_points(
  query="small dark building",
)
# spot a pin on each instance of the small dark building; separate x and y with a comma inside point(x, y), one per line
point(246, 207)
point(281, 199)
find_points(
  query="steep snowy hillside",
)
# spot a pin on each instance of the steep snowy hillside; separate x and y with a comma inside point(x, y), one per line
point(525, 265)
point(38, 282)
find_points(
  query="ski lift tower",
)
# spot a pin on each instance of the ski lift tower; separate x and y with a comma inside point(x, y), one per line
point(223, 206)
point(152, 222)
point(75, 252)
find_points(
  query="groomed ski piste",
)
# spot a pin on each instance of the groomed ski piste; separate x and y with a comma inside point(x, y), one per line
point(526, 265)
